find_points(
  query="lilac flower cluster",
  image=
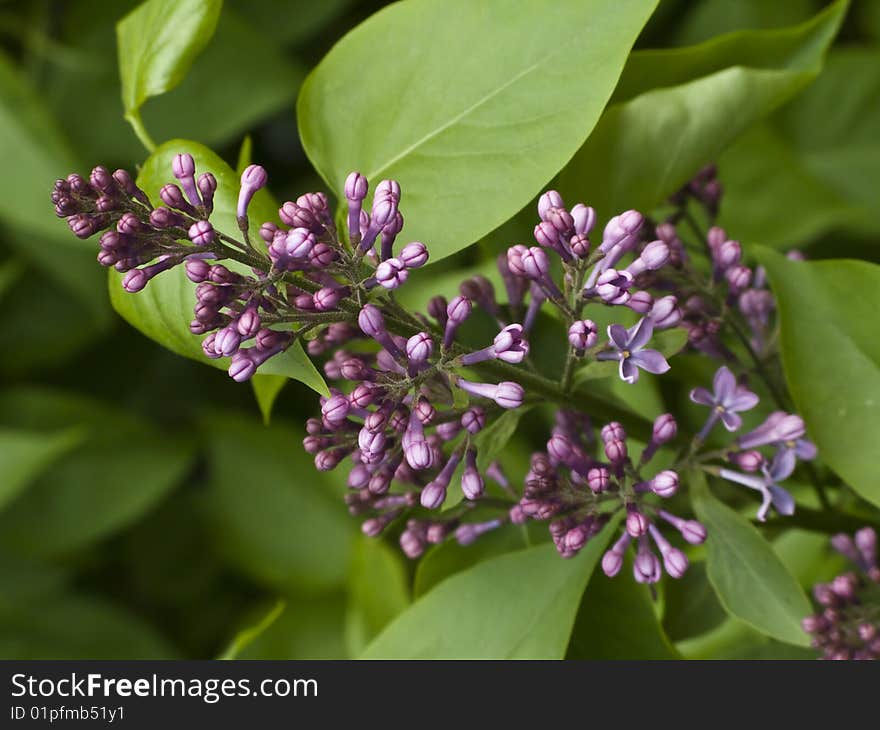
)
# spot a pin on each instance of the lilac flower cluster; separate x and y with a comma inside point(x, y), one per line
point(580, 481)
point(255, 301)
point(411, 398)
point(848, 625)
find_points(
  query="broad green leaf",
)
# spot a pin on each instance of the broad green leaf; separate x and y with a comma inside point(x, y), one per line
point(24, 454)
point(705, 20)
point(11, 272)
point(751, 581)
point(163, 310)
point(157, 43)
point(273, 514)
point(472, 106)
point(678, 109)
point(308, 628)
point(300, 20)
point(378, 591)
point(517, 606)
point(490, 442)
point(617, 619)
point(448, 558)
point(246, 637)
point(74, 626)
point(690, 606)
point(831, 357)
point(824, 175)
point(23, 581)
point(266, 390)
point(122, 468)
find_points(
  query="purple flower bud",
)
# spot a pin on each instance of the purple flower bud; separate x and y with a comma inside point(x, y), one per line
point(547, 236)
point(646, 566)
point(654, 256)
point(665, 429)
point(471, 482)
point(615, 450)
point(509, 394)
point(535, 263)
point(183, 166)
point(509, 344)
point(101, 179)
point(197, 270)
point(598, 479)
point(371, 321)
point(612, 561)
point(738, 277)
point(749, 461)
point(207, 185)
point(437, 309)
point(173, 198)
point(356, 186)
point(584, 219)
point(474, 420)
point(548, 200)
point(209, 349)
point(326, 298)
point(514, 260)
point(335, 409)
point(622, 230)
point(162, 217)
point(248, 323)
point(727, 254)
point(636, 522)
point(664, 484)
point(665, 313)
point(414, 255)
point(227, 341)
point(391, 273)
point(641, 302)
point(612, 431)
point(579, 245)
point(135, 280)
point(459, 310)
point(202, 233)
point(582, 335)
point(242, 367)
point(253, 179)
point(419, 347)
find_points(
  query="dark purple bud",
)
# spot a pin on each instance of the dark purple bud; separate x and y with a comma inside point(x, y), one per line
point(248, 323)
point(371, 321)
point(424, 411)
point(356, 186)
point(227, 341)
point(437, 309)
point(474, 420)
point(362, 396)
point(135, 280)
point(509, 394)
point(82, 225)
point(100, 179)
point(738, 277)
point(210, 351)
point(458, 310)
point(636, 522)
point(321, 256)
point(598, 479)
point(612, 431)
point(207, 185)
point(242, 369)
point(335, 409)
point(535, 263)
point(202, 233)
point(163, 217)
point(646, 566)
point(326, 298)
point(173, 198)
point(472, 484)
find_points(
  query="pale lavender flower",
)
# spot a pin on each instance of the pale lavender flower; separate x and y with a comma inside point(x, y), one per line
point(629, 349)
point(726, 400)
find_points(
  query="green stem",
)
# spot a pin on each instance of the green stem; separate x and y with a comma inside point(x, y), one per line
point(137, 124)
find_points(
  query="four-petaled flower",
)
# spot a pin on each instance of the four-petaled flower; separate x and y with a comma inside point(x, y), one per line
point(629, 349)
point(772, 494)
point(726, 400)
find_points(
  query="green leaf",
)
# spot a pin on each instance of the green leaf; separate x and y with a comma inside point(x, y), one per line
point(239, 80)
point(617, 620)
point(472, 106)
point(677, 110)
point(824, 174)
point(75, 626)
point(266, 390)
point(157, 43)
point(308, 628)
point(705, 20)
point(163, 310)
point(490, 442)
point(122, 468)
point(24, 454)
point(749, 578)
point(273, 514)
point(517, 606)
point(378, 590)
point(690, 606)
point(831, 356)
point(448, 558)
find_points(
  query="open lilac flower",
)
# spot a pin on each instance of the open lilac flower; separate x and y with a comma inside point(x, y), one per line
point(629, 349)
point(771, 493)
point(783, 430)
point(726, 400)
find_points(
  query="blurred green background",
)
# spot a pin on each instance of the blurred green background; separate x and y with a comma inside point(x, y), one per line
point(147, 511)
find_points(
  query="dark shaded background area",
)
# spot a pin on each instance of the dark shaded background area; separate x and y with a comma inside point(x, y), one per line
point(172, 518)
